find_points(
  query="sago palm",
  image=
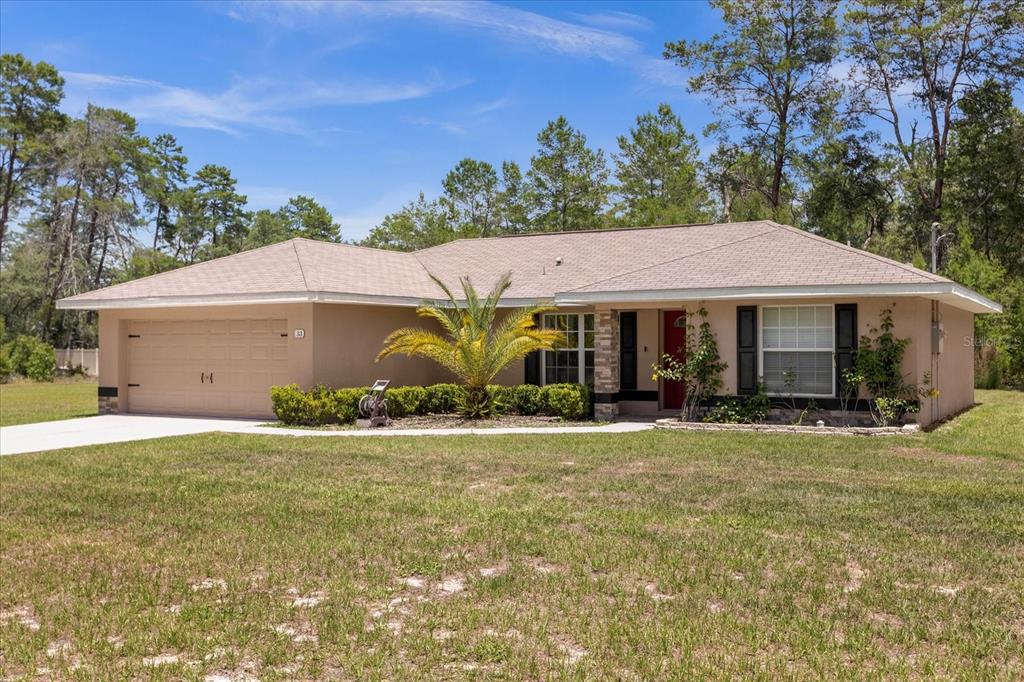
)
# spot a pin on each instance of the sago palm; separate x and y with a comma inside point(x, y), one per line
point(474, 344)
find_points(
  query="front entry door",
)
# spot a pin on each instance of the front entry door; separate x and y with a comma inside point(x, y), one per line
point(674, 344)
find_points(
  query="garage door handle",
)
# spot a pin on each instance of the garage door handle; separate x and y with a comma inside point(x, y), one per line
point(211, 377)
point(202, 377)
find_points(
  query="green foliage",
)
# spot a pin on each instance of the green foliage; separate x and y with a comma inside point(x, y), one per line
point(568, 401)
point(852, 197)
point(31, 358)
point(30, 95)
point(767, 73)
point(407, 401)
point(221, 209)
point(697, 365)
point(878, 362)
point(442, 398)
point(320, 405)
point(307, 218)
point(751, 409)
point(418, 225)
point(473, 197)
point(144, 263)
point(657, 169)
point(526, 399)
point(568, 180)
point(297, 407)
point(346, 403)
point(879, 359)
point(475, 345)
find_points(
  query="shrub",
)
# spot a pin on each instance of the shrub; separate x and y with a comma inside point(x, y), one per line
point(699, 370)
point(443, 398)
point(568, 401)
point(346, 404)
point(525, 399)
point(294, 406)
point(752, 409)
point(32, 358)
point(502, 399)
point(406, 401)
point(5, 366)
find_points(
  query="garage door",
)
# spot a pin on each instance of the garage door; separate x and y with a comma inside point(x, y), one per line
point(205, 367)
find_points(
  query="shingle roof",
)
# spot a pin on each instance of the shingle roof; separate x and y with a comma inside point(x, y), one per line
point(546, 266)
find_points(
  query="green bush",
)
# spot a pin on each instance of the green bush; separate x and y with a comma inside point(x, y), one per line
point(321, 405)
point(314, 407)
point(32, 358)
point(442, 399)
point(406, 401)
point(526, 399)
point(502, 399)
point(5, 366)
point(568, 401)
point(752, 409)
point(346, 404)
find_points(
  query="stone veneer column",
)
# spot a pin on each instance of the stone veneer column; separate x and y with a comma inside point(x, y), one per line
point(606, 365)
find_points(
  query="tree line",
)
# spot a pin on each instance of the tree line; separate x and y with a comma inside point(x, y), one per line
point(864, 122)
point(80, 191)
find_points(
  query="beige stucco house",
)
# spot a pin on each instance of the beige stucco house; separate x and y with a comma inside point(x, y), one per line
point(212, 338)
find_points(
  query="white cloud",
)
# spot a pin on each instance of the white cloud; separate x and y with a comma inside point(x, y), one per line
point(447, 126)
point(622, 21)
point(508, 24)
point(249, 103)
point(493, 105)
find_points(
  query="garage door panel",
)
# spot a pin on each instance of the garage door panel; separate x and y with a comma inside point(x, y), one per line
point(214, 367)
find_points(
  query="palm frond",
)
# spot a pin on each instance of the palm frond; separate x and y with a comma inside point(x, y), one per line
point(475, 346)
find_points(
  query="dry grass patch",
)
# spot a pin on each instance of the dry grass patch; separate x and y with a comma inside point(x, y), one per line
point(652, 556)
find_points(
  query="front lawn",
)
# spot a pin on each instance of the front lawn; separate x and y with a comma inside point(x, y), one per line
point(636, 556)
point(25, 402)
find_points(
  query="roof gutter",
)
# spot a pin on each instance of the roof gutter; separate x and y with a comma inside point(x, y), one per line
point(950, 292)
point(83, 303)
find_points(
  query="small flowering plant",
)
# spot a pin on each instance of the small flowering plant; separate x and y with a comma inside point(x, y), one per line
point(697, 365)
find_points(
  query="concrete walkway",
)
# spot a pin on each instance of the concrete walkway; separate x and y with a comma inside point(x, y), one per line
point(72, 433)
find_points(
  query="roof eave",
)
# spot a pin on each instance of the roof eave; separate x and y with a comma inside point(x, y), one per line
point(84, 303)
point(948, 292)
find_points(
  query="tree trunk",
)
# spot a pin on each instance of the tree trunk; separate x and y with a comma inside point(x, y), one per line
point(63, 260)
point(8, 195)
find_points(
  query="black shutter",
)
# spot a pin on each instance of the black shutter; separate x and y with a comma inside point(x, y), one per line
point(846, 340)
point(746, 349)
point(627, 351)
point(532, 364)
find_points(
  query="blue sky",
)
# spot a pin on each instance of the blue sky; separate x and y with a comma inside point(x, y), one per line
point(362, 105)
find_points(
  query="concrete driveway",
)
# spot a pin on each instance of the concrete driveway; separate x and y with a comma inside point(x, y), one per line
point(73, 433)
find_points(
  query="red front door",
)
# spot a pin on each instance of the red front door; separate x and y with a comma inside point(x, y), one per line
point(674, 344)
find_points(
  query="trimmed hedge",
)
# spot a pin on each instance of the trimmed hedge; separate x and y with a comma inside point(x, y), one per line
point(322, 405)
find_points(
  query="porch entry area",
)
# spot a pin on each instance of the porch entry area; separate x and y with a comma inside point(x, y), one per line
point(626, 344)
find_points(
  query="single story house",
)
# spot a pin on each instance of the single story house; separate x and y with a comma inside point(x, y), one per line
point(787, 307)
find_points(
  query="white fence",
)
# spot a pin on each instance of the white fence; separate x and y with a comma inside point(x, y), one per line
point(86, 357)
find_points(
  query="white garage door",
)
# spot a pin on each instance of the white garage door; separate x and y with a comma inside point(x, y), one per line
point(205, 367)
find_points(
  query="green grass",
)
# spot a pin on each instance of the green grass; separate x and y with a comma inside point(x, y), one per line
point(636, 556)
point(25, 402)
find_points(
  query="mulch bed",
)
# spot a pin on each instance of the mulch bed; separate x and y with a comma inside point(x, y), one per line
point(454, 421)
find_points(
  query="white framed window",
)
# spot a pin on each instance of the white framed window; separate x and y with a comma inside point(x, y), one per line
point(797, 349)
point(573, 361)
